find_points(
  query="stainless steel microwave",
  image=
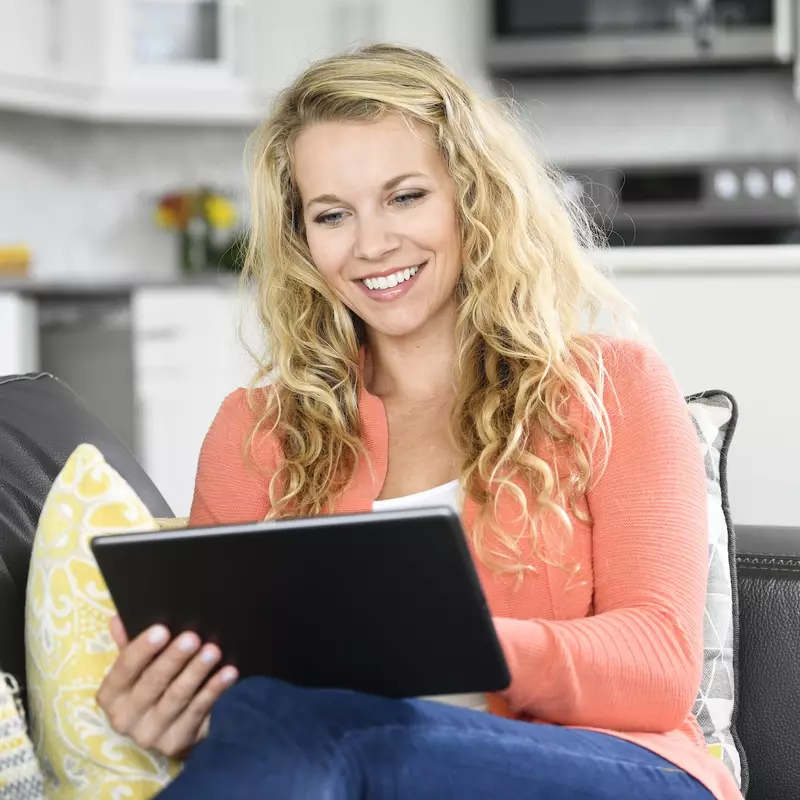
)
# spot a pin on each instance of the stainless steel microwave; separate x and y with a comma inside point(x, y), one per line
point(534, 36)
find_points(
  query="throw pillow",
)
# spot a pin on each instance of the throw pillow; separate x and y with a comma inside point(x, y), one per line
point(20, 776)
point(69, 647)
point(714, 414)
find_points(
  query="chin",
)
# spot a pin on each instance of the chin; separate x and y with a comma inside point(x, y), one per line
point(399, 329)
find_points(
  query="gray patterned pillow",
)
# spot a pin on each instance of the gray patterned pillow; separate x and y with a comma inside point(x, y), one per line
point(20, 775)
point(714, 414)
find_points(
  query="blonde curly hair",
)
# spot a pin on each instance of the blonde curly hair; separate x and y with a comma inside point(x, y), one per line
point(527, 293)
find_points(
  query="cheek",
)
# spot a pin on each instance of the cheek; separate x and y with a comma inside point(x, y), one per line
point(448, 237)
point(440, 226)
point(327, 252)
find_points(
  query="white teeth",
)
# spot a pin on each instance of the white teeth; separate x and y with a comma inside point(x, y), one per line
point(389, 281)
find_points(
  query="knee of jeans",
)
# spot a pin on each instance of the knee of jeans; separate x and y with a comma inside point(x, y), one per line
point(330, 712)
point(249, 697)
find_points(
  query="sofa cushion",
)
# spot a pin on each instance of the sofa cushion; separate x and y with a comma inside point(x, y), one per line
point(41, 423)
point(70, 649)
point(714, 414)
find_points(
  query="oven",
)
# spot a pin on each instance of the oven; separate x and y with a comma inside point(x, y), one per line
point(535, 36)
point(709, 204)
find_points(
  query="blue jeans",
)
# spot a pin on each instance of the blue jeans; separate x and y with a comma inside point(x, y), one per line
point(278, 742)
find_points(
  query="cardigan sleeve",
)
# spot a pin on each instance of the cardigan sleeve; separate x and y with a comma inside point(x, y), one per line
point(635, 665)
point(227, 489)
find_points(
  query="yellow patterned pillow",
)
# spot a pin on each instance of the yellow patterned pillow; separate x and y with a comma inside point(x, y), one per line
point(69, 647)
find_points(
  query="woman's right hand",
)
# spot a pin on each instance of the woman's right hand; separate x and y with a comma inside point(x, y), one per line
point(158, 691)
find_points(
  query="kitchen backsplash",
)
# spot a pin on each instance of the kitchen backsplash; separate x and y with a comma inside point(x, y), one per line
point(81, 195)
point(648, 118)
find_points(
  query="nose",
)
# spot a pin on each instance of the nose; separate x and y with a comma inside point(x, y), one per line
point(374, 239)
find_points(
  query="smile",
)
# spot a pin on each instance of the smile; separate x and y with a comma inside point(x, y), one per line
point(391, 286)
point(389, 281)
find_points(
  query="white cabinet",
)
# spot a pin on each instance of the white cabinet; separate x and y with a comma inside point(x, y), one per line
point(203, 61)
point(27, 37)
point(277, 54)
point(138, 60)
point(174, 60)
point(737, 331)
point(40, 61)
point(187, 358)
point(292, 34)
point(289, 36)
point(453, 30)
point(19, 348)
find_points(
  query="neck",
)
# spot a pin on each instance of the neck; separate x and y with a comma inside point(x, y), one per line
point(413, 368)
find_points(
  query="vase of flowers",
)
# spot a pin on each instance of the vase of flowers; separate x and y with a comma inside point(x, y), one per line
point(206, 222)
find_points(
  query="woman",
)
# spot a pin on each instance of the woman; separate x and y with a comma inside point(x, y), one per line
point(424, 291)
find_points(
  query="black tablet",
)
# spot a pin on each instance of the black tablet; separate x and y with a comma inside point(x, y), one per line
point(387, 603)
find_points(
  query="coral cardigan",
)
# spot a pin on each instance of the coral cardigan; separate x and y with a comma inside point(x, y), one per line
point(619, 649)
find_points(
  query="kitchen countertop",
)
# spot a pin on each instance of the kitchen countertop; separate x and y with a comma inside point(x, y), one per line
point(746, 259)
point(87, 286)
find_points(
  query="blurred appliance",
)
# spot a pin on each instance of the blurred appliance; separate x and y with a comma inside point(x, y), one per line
point(585, 35)
point(725, 203)
point(86, 340)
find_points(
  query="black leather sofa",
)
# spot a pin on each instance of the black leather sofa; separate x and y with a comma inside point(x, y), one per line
point(42, 421)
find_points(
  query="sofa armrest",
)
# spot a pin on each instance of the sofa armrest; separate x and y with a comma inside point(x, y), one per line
point(767, 540)
point(41, 422)
point(768, 718)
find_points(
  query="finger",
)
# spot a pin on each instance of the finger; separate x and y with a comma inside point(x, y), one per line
point(154, 725)
point(131, 663)
point(182, 691)
point(155, 679)
point(118, 633)
point(205, 726)
point(192, 725)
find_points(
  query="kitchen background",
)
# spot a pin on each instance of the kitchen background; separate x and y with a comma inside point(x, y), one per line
point(123, 119)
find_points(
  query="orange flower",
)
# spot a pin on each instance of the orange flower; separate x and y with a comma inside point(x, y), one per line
point(173, 211)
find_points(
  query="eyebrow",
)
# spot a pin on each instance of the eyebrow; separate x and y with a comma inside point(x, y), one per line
point(388, 186)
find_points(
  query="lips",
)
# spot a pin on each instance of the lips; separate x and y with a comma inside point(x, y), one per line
point(392, 279)
point(390, 285)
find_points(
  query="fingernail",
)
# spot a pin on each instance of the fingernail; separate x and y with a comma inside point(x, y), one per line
point(188, 642)
point(229, 675)
point(209, 655)
point(158, 635)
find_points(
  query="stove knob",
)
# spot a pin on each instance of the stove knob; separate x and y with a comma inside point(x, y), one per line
point(784, 182)
point(726, 184)
point(756, 183)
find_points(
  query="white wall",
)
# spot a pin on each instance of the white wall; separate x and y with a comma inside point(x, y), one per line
point(81, 195)
point(634, 118)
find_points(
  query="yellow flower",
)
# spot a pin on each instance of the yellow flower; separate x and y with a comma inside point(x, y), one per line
point(220, 212)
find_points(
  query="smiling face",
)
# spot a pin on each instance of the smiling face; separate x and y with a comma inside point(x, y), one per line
point(381, 224)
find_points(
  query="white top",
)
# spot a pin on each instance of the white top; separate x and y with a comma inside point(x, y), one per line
point(444, 495)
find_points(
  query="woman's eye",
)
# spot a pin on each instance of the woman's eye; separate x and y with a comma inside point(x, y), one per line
point(330, 218)
point(406, 198)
